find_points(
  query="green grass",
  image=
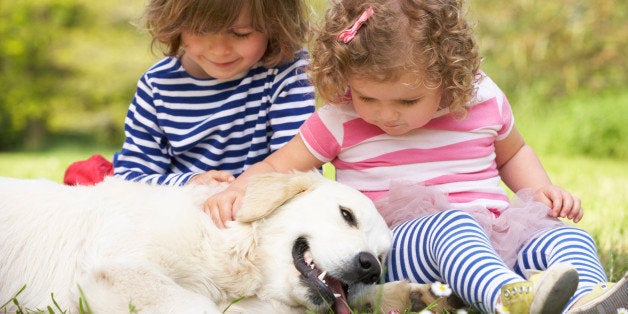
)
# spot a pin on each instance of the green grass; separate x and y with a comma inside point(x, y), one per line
point(600, 183)
point(49, 164)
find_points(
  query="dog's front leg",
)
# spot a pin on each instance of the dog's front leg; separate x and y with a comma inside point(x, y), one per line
point(123, 289)
point(402, 296)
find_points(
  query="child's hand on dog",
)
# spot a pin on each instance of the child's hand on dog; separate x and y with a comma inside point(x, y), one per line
point(223, 206)
point(211, 178)
point(220, 206)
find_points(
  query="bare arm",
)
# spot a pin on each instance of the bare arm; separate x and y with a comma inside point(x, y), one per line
point(520, 168)
point(292, 156)
point(518, 164)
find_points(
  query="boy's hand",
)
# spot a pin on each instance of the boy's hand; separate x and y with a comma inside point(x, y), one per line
point(223, 206)
point(211, 177)
point(561, 203)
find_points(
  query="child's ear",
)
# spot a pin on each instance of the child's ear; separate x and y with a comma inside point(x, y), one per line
point(267, 192)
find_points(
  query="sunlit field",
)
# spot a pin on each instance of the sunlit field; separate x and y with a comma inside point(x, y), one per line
point(601, 184)
point(571, 105)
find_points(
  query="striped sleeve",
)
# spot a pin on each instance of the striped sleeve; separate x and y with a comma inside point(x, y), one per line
point(507, 118)
point(292, 103)
point(144, 154)
point(318, 138)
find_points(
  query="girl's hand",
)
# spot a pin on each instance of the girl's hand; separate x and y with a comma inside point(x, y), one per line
point(211, 177)
point(222, 207)
point(562, 203)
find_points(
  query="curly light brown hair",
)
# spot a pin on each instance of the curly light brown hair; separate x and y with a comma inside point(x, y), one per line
point(284, 22)
point(428, 37)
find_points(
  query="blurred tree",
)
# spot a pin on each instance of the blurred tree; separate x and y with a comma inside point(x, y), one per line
point(553, 48)
point(71, 66)
point(29, 74)
point(68, 67)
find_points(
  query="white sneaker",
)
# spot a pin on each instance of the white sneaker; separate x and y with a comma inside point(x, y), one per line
point(545, 292)
point(606, 297)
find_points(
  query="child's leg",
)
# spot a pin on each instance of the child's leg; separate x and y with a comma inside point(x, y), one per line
point(452, 247)
point(564, 244)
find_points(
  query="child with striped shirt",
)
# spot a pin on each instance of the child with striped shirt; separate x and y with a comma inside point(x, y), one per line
point(414, 124)
point(230, 90)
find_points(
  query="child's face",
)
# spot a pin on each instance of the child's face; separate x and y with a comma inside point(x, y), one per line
point(225, 54)
point(396, 107)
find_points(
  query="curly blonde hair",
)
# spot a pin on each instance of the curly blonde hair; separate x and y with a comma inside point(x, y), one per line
point(284, 22)
point(428, 37)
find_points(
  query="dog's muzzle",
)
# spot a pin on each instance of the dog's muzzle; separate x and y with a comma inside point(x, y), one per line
point(325, 290)
point(367, 269)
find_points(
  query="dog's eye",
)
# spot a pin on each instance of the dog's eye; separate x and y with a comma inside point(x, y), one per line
point(347, 215)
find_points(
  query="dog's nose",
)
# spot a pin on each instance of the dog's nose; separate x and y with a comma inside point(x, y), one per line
point(368, 268)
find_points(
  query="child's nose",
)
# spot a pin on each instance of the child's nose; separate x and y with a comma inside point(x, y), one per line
point(388, 114)
point(219, 45)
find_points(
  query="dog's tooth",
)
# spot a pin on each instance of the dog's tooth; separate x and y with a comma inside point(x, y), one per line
point(312, 266)
point(322, 276)
point(337, 295)
point(308, 260)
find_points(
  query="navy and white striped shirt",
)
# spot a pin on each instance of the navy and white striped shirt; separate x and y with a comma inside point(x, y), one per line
point(178, 125)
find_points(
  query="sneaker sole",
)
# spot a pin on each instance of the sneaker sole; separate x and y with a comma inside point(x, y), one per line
point(557, 286)
point(617, 297)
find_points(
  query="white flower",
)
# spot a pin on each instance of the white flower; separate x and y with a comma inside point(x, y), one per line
point(426, 312)
point(440, 289)
point(501, 309)
point(461, 311)
point(622, 310)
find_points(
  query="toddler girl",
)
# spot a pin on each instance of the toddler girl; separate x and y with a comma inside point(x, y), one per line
point(230, 90)
point(416, 126)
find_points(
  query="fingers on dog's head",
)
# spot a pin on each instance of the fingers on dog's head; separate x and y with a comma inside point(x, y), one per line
point(267, 192)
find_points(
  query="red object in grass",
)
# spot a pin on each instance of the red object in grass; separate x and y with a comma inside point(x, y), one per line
point(88, 172)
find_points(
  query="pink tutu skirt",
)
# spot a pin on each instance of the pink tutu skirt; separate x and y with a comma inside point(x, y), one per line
point(523, 220)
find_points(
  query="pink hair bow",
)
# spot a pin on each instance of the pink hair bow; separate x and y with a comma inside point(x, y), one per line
point(348, 34)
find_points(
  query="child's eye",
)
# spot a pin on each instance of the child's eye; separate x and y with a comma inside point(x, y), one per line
point(366, 99)
point(409, 102)
point(241, 34)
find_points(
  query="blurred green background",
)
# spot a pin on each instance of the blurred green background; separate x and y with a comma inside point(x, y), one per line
point(68, 71)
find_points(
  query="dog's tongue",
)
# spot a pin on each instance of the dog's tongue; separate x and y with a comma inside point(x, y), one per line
point(340, 304)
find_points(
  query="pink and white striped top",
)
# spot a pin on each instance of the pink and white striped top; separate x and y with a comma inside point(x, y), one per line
point(455, 156)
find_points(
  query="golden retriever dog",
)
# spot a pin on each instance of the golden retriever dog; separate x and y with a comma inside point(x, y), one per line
point(300, 242)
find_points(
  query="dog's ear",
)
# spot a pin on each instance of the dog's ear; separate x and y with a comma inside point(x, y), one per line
point(267, 192)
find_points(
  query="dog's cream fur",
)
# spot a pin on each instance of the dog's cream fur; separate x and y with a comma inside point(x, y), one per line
point(151, 247)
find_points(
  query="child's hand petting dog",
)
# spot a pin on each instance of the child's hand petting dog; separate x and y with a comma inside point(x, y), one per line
point(222, 207)
point(211, 178)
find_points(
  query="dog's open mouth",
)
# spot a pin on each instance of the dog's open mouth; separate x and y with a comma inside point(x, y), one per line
point(323, 288)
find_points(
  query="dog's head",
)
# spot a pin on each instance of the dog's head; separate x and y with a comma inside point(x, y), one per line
point(320, 241)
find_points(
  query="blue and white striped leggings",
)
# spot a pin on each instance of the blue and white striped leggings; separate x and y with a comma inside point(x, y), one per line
point(451, 247)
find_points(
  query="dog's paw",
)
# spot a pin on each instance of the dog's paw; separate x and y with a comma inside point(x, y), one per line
point(402, 296)
point(437, 296)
